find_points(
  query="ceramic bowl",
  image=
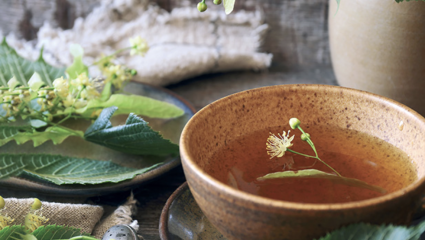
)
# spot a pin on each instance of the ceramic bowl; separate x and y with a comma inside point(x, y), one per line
point(240, 215)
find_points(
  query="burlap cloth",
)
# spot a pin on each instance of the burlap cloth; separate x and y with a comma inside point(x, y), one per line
point(90, 219)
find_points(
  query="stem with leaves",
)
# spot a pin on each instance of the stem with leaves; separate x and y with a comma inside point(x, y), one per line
point(295, 124)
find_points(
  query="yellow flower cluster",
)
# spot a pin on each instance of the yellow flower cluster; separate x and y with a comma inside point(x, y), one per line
point(34, 219)
point(11, 100)
point(114, 73)
point(82, 89)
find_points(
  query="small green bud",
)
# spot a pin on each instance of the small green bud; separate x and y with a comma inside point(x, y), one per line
point(217, 2)
point(36, 205)
point(294, 123)
point(202, 6)
point(48, 117)
point(133, 72)
point(1, 202)
point(305, 136)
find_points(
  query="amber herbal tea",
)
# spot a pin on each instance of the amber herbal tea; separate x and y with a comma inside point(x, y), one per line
point(368, 167)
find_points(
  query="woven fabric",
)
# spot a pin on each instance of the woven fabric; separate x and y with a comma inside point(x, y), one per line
point(122, 215)
point(82, 216)
point(92, 219)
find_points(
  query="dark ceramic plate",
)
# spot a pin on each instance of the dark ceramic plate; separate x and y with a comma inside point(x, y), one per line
point(169, 128)
point(182, 219)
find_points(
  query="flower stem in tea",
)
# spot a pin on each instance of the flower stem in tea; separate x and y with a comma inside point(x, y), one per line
point(278, 145)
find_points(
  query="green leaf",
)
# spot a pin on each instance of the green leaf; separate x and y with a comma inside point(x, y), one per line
point(314, 173)
point(136, 104)
point(135, 137)
point(228, 5)
point(8, 133)
point(13, 65)
point(365, 231)
point(28, 236)
point(56, 134)
point(66, 170)
point(35, 82)
point(106, 92)
point(50, 232)
point(22, 134)
point(12, 83)
point(15, 232)
point(36, 123)
point(77, 67)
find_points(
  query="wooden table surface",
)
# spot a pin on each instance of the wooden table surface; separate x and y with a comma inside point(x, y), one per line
point(199, 92)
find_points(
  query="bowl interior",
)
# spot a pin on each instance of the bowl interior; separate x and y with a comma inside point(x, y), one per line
point(316, 105)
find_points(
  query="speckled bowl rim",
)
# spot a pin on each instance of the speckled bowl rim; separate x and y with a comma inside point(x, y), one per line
point(271, 203)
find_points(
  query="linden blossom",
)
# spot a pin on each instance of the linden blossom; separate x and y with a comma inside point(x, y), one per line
point(277, 146)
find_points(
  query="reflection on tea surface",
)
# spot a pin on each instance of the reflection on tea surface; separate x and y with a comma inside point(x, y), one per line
point(351, 153)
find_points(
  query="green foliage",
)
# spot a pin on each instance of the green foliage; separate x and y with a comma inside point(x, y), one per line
point(365, 231)
point(77, 66)
point(51, 232)
point(228, 5)
point(136, 104)
point(314, 173)
point(65, 170)
point(22, 134)
point(13, 65)
point(16, 232)
point(37, 93)
point(135, 137)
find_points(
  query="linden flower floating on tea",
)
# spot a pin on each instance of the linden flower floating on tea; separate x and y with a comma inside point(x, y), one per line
point(277, 146)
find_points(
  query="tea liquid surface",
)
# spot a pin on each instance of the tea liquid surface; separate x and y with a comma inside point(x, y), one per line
point(351, 153)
